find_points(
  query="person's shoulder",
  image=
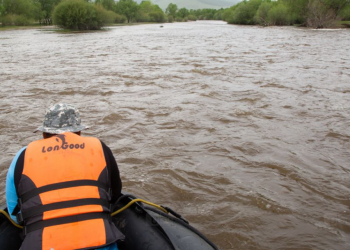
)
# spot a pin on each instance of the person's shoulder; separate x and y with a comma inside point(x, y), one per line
point(17, 156)
point(107, 150)
point(21, 150)
point(104, 146)
point(35, 142)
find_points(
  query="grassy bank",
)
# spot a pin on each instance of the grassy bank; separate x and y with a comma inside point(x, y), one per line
point(132, 24)
point(33, 26)
point(345, 24)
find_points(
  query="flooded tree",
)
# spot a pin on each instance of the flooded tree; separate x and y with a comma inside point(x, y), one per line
point(207, 14)
point(149, 12)
point(245, 12)
point(182, 13)
point(325, 13)
point(262, 14)
point(128, 8)
point(47, 7)
point(2, 9)
point(319, 15)
point(19, 12)
point(81, 15)
point(171, 10)
point(279, 15)
point(298, 10)
point(107, 4)
point(345, 13)
point(312, 13)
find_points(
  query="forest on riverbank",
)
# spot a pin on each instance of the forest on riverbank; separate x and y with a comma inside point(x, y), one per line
point(308, 13)
point(89, 14)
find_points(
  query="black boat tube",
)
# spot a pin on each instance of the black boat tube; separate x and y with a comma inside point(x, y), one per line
point(146, 227)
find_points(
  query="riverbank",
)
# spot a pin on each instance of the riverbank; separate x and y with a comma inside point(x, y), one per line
point(339, 25)
point(34, 26)
point(345, 24)
point(57, 29)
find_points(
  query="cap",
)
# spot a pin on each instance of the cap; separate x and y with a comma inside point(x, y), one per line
point(61, 118)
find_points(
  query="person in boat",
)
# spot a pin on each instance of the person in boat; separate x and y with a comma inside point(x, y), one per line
point(61, 188)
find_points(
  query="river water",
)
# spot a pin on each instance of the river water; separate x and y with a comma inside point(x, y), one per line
point(242, 130)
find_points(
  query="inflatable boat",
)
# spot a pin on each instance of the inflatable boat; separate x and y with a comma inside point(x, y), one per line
point(144, 224)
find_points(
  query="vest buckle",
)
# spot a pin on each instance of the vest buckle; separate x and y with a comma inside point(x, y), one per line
point(20, 219)
point(19, 203)
point(19, 215)
point(24, 231)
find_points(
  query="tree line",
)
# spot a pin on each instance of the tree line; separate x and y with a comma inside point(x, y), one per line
point(308, 13)
point(93, 14)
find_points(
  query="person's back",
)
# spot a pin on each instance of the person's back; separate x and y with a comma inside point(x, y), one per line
point(64, 184)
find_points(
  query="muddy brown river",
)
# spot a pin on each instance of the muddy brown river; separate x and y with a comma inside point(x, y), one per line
point(242, 130)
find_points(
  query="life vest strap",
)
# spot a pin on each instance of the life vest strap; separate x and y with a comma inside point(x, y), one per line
point(67, 184)
point(65, 220)
point(37, 210)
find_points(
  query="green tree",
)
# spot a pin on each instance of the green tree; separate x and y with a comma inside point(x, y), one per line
point(320, 14)
point(157, 16)
point(228, 13)
point(105, 16)
point(298, 10)
point(107, 4)
point(47, 7)
point(81, 15)
point(315, 13)
point(262, 13)
point(278, 15)
point(218, 14)
point(13, 19)
point(336, 5)
point(2, 10)
point(308, 11)
point(146, 6)
point(245, 12)
point(209, 14)
point(20, 7)
point(149, 12)
point(345, 13)
point(183, 12)
point(19, 12)
point(171, 10)
point(37, 12)
point(119, 18)
point(128, 8)
point(192, 17)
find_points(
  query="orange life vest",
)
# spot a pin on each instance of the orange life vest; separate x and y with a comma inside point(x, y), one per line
point(64, 195)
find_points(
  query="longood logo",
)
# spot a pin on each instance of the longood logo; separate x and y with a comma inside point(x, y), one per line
point(64, 145)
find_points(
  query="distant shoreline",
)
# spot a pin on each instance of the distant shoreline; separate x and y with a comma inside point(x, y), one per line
point(341, 25)
point(55, 28)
